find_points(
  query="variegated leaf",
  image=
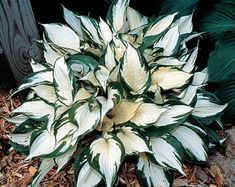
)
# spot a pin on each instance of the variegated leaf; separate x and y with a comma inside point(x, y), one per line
point(109, 58)
point(44, 167)
point(165, 154)
point(114, 74)
point(107, 103)
point(74, 22)
point(205, 107)
point(190, 37)
point(86, 119)
point(158, 98)
point(17, 119)
point(50, 54)
point(91, 78)
point(154, 174)
point(123, 111)
point(64, 146)
point(81, 64)
point(189, 66)
point(105, 32)
point(62, 36)
point(160, 25)
point(64, 159)
point(90, 28)
point(191, 142)
point(200, 78)
point(46, 92)
point(38, 78)
point(118, 14)
point(119, 48)
point(66, 129)
point(169, 78)
point(194, 128)
point(133, 71)
point(174, 115)
point(31, 95)
point(21, 139)
point(185, 24)
point(105, 125)
point(169, 41)
point(82, 94)
point(88, 176)
point(147, 114)
point(60, 109)
point(63, 80)
point(35, 109)
point(189, 94)
point(42, 145)
point(102, 75)
point(135, 19)
point(106, 148)
point(37, 67)
point(132, 141)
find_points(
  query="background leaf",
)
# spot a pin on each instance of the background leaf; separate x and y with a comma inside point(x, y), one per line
point(220, 21)
point(226, 93)
point(181, 6)
point(219, 25)
point(221, 62)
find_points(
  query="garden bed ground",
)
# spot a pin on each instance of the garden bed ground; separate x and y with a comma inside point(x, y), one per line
point(16, 172)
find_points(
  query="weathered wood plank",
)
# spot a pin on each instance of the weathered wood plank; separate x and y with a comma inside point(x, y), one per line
point(19, 35)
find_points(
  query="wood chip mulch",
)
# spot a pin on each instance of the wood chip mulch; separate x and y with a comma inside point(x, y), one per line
point(16, 172)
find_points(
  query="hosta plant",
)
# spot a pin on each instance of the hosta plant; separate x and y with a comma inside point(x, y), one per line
point(124, 87)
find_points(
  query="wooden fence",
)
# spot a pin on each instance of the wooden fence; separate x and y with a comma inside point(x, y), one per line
point(18, 36)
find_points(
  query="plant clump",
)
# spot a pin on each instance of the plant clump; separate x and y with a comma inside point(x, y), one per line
point(127, 86)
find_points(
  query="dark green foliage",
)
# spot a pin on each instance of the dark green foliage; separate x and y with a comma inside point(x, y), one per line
point(22, 149)
point(226, 93)
point(221, 62)
point(181, 6)
point(219, 25)
point(220, 21)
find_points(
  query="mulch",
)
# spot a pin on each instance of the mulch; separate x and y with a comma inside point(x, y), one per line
point(16, 172)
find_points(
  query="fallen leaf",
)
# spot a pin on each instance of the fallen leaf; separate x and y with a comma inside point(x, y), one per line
point(218, 177)
point(32, 170)
point(213, 185)
point(180, 182)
